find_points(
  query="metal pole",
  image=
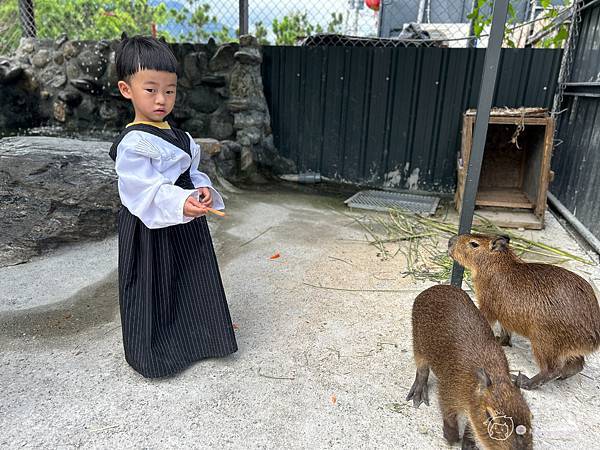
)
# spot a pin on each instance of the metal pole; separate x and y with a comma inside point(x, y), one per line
point(27, 16)
point(484, 106)
point(243, 17)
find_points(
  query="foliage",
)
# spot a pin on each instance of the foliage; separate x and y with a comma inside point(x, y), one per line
point(201, 21)
point(481, 19)
point(296, 25)
point(260, 32)
point(107, 19)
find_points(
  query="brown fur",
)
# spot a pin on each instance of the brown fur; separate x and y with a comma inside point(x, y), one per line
point(553, 307)
point(451, 337)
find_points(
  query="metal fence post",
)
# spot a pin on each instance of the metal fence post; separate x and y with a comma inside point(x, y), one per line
point(484, 106)
point(243, 17)
point(27, 17)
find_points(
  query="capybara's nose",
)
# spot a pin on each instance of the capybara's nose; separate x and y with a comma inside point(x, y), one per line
point(452, 241)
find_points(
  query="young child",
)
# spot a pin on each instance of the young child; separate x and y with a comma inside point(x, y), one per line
point(173, 307)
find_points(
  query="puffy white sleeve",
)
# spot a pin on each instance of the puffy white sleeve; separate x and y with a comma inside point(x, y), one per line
point(200, 179)
point(145, 192)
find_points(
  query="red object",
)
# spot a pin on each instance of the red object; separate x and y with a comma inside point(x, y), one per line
point(154, 30)
point(373, 4)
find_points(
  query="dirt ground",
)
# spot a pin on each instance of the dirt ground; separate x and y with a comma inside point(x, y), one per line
point(324, 358)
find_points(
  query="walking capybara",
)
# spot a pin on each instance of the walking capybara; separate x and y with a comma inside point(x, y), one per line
point(451, 337)
point(553, 307)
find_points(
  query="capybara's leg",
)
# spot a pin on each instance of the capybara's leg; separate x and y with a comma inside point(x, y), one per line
point(451, 433)
point(468, 440)
point(504, 338)
point(572, 367)
point(419, 392)
point(548, 369)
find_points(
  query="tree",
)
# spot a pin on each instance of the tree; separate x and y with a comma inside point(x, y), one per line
point(260, 32)
point(98, 19)
point(481, 18)
point(86, 19)
point(203, 24)
point(296, 25)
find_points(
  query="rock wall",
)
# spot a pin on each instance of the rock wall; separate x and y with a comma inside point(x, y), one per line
point(73, 84)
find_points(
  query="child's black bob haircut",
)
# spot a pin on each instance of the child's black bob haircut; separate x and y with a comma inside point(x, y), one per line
point(143, 53)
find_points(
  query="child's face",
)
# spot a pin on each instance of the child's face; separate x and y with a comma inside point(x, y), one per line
point(152, 93)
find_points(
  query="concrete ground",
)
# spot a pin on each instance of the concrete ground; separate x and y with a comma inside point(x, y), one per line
point(317, 367)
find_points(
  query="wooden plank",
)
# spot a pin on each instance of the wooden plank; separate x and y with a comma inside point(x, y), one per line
point(545, 175)
point(510, 219)
point(502, 197)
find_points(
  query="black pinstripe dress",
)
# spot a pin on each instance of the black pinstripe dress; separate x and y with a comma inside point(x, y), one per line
point(173, 306)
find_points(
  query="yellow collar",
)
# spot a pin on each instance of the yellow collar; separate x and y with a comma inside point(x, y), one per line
point(163, 125)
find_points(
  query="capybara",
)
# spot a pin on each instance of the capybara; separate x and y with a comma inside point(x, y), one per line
point(451, 337)
point(554, 308)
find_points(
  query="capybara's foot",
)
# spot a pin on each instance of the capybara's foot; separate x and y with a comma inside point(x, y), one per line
point(535, 382)
point(451, 431)
point(572, 367)
point(419, 392)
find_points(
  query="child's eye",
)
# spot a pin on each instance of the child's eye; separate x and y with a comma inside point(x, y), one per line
point(170, 92)
point(151, 91)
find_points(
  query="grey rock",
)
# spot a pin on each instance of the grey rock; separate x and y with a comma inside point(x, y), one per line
point(246, 119)
point(234, 146)
point(72, 69)
point(197, 125)
point(247, 40)
point(92, 63)
point(246, 160)
point(27, 45)
point(249, 55)
point(238, 104)
point(53, 76)
point(203, 99)
point(208, 146)
point(60, 190)
point(71, 97)
point(107, 111)
point(70, 49)
point(88, 86)
point(246, 83)
point(59, 111)
point(58, 58)
point(194, 66)
point(223, 58)
point(249, 136)
point(41, 58)
point(60, 41)
point(213, 80)
point(221, 125)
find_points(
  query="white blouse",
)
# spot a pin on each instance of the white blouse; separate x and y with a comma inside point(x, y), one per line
point(147, 167)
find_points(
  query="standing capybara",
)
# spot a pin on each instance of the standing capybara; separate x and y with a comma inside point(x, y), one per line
point(553, 307)
point(451, 337)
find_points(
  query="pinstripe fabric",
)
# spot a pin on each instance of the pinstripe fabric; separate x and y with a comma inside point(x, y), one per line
point(172, 301)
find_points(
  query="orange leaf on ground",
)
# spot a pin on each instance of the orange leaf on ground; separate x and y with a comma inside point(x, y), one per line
point(235, 326)
point(275, 256)
point(333, 399)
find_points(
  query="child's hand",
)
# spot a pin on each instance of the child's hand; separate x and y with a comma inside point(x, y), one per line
point(205, 197)
point(193, 208)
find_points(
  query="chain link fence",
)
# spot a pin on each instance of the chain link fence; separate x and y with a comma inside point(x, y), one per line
point(445, 23)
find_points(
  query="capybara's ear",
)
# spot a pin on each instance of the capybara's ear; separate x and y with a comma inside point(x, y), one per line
point(484, 379)
point(124, 36)
point(162, 39)
point(500, 243)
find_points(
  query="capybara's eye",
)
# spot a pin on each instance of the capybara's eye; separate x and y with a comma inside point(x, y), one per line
point(474, 244)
